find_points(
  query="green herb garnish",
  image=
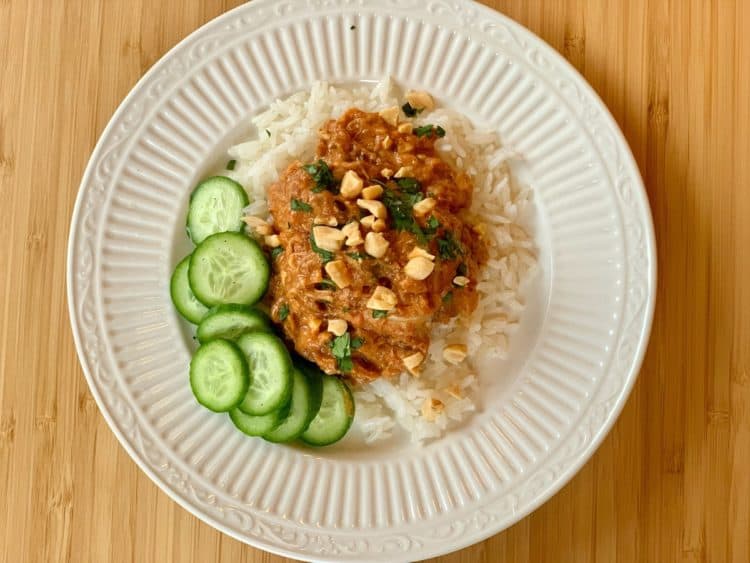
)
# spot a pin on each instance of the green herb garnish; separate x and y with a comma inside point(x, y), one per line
point(268, 132)
point(377, 314)
point(411, 111)
point(400, 206)
point(299, 205)
point(357, 255)
point(341, 349)
point(448, 247)
point(321, 175)
point(448, 297)
point(325, 255)
point(231, 164)
point(283, 312)
point(409, 185)
point(431, 226)
point(428, 130)
point(276, 251)
point(328, 284)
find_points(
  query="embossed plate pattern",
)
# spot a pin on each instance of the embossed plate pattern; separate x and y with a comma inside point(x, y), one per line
point(544, 411)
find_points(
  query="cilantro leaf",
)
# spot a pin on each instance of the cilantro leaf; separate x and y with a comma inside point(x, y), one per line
point(448, 297)
point(283, 312)
point(432, 226)
point(377, 314)
point(321, 175)
point(448, 247)
point(428, 130)
point(409, 185)
point(231, 164)
point(341, 349)
point(299, 205)
point(411, 111)
point(328, 284)
point(357, 255)
point(276, 251)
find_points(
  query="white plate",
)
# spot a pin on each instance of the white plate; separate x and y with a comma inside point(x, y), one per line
point(571, 368)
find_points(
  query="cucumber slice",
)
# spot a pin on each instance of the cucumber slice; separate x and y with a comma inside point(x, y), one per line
point(182, 296)
point(270, 373)
point(335, 415)
point(256, 425)
point(303, 406)
point(228, 268)
point(215, 207)
point(230, 322)
point(219, 375)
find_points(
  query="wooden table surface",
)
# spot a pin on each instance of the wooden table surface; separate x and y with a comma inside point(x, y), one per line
point(672, 480)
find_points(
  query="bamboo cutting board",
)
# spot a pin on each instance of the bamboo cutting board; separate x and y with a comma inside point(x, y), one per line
point(672, 480)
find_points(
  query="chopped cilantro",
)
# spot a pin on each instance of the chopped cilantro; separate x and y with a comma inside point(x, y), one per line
point(400, 206)
point(411, 111)
point(409, 185)
point(341, 349)
point(328, 284)
point(377, 314)
point(268, 132)
point(449, 247)
point(325, 255)
point(276, 251)
point(283, 312)
point(231, 164)
point(299, 205)
point(448, 297)
point(432, 226)
point(357, 255)
point(428, 130)
point(321, 175)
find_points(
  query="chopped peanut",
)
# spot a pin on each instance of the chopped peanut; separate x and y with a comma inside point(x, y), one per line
point(419, 99)
point(374, 207)
point(419, 268)
point(376, 245)
point(328, 238)
point(424, 206)
point(386, 173)
point(351, 185)
point(404, 172)
point(272, 241)
point(353, 234)
point(379, 226)
point(405, 128)
point(454, 353)
point(382, 299)
point(390, 115)
point(431, 409)
point(339, 273)
point(368, 222)
point(314, 324)
point(337, 327)
point(330, 221)
point(420, 252)
point(387, 142)
point(258, 225)
point(413, 362)
point(372, 192)
point(461, 281)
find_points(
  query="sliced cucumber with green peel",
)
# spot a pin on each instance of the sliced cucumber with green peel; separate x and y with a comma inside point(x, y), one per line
point(335, 415)
point(216, 206)
point(182, 296)
point(228, 268)
point(230, 322)
point(219, 375)
point(256, 425)
point(303, 406)
point(270, 368)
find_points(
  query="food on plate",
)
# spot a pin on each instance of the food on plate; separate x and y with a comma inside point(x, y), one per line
point(354, 264)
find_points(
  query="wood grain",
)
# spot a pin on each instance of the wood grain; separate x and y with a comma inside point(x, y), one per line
point(672, 480)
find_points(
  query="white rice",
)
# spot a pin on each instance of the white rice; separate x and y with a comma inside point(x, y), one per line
point(287, 131)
